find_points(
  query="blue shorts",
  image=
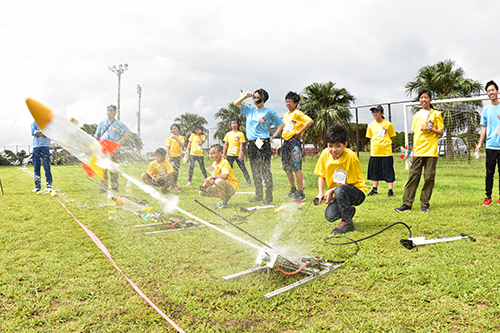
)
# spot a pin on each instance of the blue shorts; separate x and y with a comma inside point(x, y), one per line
point(291, 155)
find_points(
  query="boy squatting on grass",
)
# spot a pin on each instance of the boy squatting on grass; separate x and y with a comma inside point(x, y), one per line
point(160, 171)
point(223, 182)
point(339, 168)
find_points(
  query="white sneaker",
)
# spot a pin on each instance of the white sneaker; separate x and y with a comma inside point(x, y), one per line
point(35, 190)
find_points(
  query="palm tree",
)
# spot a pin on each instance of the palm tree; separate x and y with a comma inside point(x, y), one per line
point(323, 102)
point(225, 115)
point(188, 121)
point(445, 81)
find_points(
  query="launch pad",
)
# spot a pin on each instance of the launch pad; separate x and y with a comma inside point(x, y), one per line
point(314, 268)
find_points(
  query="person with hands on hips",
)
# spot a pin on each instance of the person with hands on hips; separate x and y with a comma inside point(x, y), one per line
point(340, 170)
point(296, 123)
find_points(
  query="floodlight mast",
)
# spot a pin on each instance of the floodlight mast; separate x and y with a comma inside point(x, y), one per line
point(119, 71)
point(406, 107)
point(139, 91)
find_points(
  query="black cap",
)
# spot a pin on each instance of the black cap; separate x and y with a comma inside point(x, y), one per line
point(378, 107)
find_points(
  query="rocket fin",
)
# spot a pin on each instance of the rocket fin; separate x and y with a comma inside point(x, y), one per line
point(88, 170)
point(109, 146)
point(98, 170)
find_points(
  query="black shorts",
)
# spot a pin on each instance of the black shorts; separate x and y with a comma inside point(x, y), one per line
point(291, 155)
point(381, 168)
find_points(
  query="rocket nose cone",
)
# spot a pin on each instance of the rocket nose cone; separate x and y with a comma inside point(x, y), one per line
point(41, 113)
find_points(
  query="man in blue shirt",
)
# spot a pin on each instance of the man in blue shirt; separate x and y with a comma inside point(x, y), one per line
point(490, 122)
point(41, 154)
point(258, 121)
point(116, 131)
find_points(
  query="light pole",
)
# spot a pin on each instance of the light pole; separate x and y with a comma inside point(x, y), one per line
point(118, 71)
point(139, 90)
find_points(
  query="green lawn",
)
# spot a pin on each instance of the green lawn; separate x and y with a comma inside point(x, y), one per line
point(53, 278)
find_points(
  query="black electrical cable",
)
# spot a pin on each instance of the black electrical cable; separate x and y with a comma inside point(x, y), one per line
point(357, 241)
point(367, 237)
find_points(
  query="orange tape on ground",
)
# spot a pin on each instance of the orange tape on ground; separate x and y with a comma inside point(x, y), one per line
point(107, 254)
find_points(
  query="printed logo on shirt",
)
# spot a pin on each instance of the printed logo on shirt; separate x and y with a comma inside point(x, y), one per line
point(237, 138)
point(262, 120)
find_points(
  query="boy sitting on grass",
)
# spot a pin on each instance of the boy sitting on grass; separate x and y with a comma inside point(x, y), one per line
point(160, 172)
point(223, 182)
point(339, 168)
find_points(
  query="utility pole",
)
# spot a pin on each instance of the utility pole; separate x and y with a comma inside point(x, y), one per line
point(139, 90)
point(118, 71)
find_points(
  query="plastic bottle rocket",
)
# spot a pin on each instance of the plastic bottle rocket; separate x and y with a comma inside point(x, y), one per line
point(129, 188)
point(88, 150)
point(111, 206)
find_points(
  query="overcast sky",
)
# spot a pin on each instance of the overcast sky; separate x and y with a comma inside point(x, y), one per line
point(195, 56)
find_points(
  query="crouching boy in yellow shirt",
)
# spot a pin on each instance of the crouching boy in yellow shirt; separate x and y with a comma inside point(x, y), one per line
point(223, 182)
point(159, 172)
point(339, 168)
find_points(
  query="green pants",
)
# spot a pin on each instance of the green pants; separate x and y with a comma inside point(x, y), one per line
point(429, 166)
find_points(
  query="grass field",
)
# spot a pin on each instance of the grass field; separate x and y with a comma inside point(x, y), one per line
point(53, 278)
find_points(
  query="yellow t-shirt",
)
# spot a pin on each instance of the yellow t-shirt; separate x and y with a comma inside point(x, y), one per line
point(348, 162)
point(380, 135)
point(175, 147)
point(294, 122)
point(234, 139)
point(224, 168)
point(156, 169)
point(425, 143)
point(196, 146)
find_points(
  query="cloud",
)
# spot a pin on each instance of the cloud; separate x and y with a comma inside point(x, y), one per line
point(195, 56)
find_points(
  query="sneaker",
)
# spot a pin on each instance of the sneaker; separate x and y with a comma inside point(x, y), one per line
point(221, 205)
point(343, 228)
point(403, 208)
point(189, 184)
point(299, 196)
point(425, 209)
point(36, 189)
point(267, 201)
point(290, 195)
point(487, 202)
point(390, 194)
point(372, 192)
point(256, 199)
point(175, 188)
